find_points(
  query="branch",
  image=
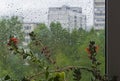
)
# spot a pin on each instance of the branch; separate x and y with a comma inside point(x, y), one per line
point(68, 68)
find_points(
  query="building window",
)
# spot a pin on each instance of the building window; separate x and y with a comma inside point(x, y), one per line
point(75, 17)
point(103, 20)
point(99, 14)
point(75, 10)
point(58, 8)
point(80, 11)
point(100, 25)
point(75, 20)
point(67, 7)
point(80, 25)
point(99, 8)
point(27, 40)
point(99, 3)
point(26, 34)
point(27, 27)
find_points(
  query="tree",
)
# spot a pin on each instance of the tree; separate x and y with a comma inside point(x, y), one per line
point(67, 46)
point(8, 27)
point(11, 26)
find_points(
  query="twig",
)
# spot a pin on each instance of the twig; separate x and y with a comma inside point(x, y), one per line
point(60, 70)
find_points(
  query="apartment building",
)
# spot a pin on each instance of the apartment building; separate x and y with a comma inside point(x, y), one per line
point(99, 14)
point(69, 17)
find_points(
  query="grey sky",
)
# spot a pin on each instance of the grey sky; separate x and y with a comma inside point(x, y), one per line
point(36, 10)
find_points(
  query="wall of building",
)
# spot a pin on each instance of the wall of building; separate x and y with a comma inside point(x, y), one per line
point(27, 28)
point(69, 17)
point(99, 14)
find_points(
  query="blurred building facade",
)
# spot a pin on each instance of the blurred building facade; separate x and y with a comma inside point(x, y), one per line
point(28, 28)
point(69, 17)
point(99, 14)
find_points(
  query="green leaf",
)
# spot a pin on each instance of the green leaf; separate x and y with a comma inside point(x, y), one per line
point(51, 79)
point(62, 76)
point(77, 74)
point(25, 56)
point(25, 79)
point(47, 68)
point(46, 74)
point(56, 78)
point(7, 77)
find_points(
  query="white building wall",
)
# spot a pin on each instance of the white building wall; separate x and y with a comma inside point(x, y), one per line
point(99, 14)
point(69, 17)
point(27, 28)
point(83, 20)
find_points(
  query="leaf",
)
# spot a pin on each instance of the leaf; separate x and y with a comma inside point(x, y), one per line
point(47, 68)
point(25, 79)
point(51, 79)
point(32, 80)
point(77, 74)
point(46, 74)
point(56, 78)
point(62, 75)
point(25, 56)
point(7, 77)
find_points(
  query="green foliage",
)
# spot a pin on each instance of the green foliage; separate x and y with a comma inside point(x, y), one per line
point(59, 76)
point(7, 77)
point(9, 27)
point(67, 46)
point(56, 54)
point(77, 74)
